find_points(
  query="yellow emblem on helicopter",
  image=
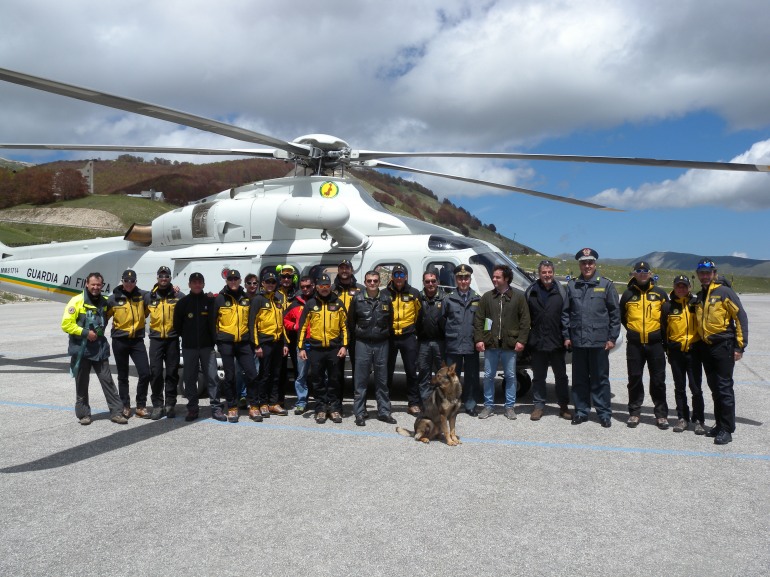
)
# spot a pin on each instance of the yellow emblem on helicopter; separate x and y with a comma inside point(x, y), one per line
point(329, 189)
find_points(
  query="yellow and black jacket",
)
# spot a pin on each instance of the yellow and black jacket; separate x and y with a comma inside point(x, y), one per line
point(231, 314)
point(82, 314)
point(406, 308)
point(720, 316)
point(323, 323)
point(678, 323)
point(266, 318)
point(129, 313)
point(346, 293)
point(640, 308)
point(160, 305)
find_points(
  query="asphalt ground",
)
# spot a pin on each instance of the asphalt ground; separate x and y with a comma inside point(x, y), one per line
point(290, 497)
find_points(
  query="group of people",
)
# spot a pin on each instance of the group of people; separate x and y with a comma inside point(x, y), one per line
point(317, 323)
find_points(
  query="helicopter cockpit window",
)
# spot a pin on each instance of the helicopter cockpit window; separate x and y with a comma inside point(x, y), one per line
point(445, 272)
point(483, 265)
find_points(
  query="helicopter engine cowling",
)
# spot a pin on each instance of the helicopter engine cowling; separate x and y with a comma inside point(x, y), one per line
point(312, 213)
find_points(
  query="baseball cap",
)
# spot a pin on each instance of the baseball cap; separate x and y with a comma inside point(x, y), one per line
point(233, 274)
point(268, 275)
point(681, 279)
point(706, 264)
point(196, 276)
point(643, 265)
point(586, 254)
point(164, 270)
point(129, 275)
point(324, 279)
point(345, 262)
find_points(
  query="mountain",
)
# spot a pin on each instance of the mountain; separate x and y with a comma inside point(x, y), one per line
point(14, 164)
point(682, 261)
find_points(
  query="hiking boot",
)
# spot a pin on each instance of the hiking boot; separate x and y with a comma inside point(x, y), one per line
point(232, 415)
point(119, 419)
point(486, 412)
point(170, 412)
point(681, 426)
point(299, 409)
point(278, 410)
point(336, 417)
point(265, 410)
point(85, 420)
point(126, 411)
point(632, 421)
point(564, 412)
point(723, 437)
point(713, 431)
point(699, 428)
point(510, 413)
point(662, 423)
point(157, 413)
point(142, 413)
point(218, 414)
point(192, 414)
point(320, 418)
point(255, 414)
point(537, 414)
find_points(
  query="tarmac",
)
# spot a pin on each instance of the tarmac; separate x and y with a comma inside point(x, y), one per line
point(290, 497)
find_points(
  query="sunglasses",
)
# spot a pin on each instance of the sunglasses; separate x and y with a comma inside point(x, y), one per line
point(305, 286)
point(164, 276)
point(399, 275)
point(290, 275)
point(641, 270)
point(252, 283)
point(433, 281)
point(127, 281)
point(588, 262)
point(372, 280)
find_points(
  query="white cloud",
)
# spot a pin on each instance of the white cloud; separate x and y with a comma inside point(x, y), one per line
point(734, 190)
point(740, 254)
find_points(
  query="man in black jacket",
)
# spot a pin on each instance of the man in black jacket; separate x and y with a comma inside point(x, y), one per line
point(193, 321)
point(430, 332)
point(547, 303)
point(370, 317)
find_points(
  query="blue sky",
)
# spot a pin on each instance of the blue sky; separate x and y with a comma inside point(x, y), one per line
point(685, 80)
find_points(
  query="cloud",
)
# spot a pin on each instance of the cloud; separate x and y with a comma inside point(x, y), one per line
point(740, 191)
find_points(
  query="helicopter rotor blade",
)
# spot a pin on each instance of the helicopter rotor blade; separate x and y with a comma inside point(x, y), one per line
point(263, 153)
point(575, 201)
point(364, 155)
point(152, 110)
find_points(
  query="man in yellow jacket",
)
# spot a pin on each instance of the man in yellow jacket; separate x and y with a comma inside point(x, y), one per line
point(680, 333)
point(84, 319)
point(323, 325)
point(724, 331)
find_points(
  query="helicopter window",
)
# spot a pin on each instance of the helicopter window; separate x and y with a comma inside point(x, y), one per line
point(444, 272)
point(440, 242)
point(486, 263)
point(385, 270)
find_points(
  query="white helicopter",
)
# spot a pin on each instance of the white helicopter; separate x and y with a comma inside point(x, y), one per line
point(311, 222)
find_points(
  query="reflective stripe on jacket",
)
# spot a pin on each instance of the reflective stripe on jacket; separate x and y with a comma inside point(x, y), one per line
point(231, 311)
point(721, 316)
point(266, 318)
point(640, 312)
point(678, 323)
point(160, 308)
point(323, 323)
point(129, 314)
point(406, 307)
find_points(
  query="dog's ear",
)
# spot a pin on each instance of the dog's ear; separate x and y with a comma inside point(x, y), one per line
point(443, 364)
point(452, 368)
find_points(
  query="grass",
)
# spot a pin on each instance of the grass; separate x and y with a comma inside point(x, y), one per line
point(129, 210)
point(620, 274)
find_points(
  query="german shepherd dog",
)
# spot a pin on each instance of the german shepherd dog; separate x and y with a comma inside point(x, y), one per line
point(441, 409)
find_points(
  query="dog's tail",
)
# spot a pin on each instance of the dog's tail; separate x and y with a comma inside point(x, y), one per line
point(404, 432)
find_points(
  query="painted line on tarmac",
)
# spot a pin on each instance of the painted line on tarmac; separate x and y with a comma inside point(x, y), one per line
point(466, 440)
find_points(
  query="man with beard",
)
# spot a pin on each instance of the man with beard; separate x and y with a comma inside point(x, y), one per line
point(129, 314)
point(403, 339)
point(269, 340)
point(231, 319)
point(323, 325)
point(723, 327)
point(164, 341)
point(84, 319)
point(640, 309)
point(346, 287)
